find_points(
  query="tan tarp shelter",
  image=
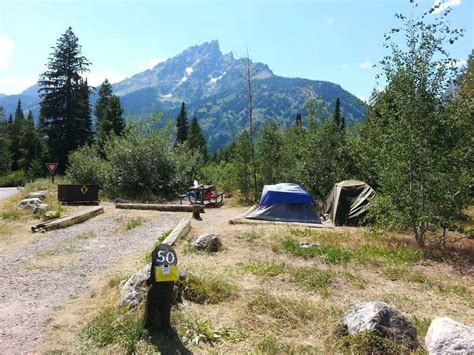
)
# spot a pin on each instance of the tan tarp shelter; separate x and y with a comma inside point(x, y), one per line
point(347, 201)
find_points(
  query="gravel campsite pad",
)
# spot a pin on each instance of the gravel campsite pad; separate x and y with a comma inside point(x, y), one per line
point(39, 277)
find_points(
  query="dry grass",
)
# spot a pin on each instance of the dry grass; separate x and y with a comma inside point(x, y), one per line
point(280, 299)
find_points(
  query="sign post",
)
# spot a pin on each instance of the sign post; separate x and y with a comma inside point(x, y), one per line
point(52, 169)
point(164, 272)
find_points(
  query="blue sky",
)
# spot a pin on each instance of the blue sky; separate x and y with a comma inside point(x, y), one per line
point(325, 40)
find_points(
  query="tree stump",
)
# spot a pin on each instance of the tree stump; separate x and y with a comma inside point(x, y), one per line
point(196, 212)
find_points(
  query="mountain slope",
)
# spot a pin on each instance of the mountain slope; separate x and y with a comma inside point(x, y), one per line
point(212, 86)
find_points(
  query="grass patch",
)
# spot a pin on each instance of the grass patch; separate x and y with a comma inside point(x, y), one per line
point(270, 344)
point(208, 289)
point(369, 343)
point(10, 213)
point(134, 223)
point(313, 279)
point(193, 331)
point(116, 329)
point(251, 236)
point(369, 254)
point(264, 268)
point(330, 254)
point(327, 237)
point(87, 235)
point(355, 280)
point(116, 280)
point(288, 311)
point(404, 273)
point(421, 325)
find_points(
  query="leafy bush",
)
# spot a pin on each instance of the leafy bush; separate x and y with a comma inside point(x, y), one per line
point(87, 167)
point(15, 178)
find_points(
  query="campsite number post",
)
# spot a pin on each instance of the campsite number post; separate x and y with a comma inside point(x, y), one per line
point(164, 272)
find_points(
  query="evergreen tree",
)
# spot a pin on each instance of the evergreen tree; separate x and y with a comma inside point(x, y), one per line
point(299, 120)
point(15, 134)
point(5, 154)
point(271, 154)
point(337, 116)
point(64, 96)
point(113, 121)
point(104, 95)
point(182, 125)
point(243, 164)
point(32, 149)
point(196, 139)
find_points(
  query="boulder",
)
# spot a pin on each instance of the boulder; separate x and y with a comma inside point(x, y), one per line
point(207, 242)
point(134, 290)
point(38, 194)
point(39, 210)
point(446, 336)
point(383, 320)
point(29, 203)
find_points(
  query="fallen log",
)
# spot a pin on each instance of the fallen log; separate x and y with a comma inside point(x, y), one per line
point(157, 207)
point(181, 229)
point(67, 221)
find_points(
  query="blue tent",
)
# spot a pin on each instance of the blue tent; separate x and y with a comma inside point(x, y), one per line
point(286, 202)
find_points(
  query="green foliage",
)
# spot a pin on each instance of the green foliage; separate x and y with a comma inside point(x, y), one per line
point(414, 137)
point(374, 254)
point(33, 150)
point(15, 135)
point(195, 139)
point(5, 153)
point(15, 178)
point(103, 98)
point(193, 331)
point(182, 125)
point(271, 144)
point(112, 122)
point(112, 327)
point(207, 290)
point(134, 223)
point(143, 162)
point(65, 108)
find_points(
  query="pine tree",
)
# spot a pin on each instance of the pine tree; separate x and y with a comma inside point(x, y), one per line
point(15, 134)
point(5, 154)
point(104, 95)
point(65, 99)
point(337, 116)
point(299, 120)
point(114, 114)
point(182, 125)
point(196, 139)
point(32, 148)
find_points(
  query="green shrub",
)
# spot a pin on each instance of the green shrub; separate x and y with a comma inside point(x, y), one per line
point(134, 223)
point(15, 178)
point(86, 166)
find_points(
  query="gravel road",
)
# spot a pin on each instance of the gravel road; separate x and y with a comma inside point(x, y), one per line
point(31, 286)
point(6, 192)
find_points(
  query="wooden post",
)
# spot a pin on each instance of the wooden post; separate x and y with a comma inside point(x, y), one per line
point(160, 294)
point(196, 212)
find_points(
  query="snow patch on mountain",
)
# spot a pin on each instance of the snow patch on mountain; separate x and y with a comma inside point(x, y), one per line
point(213, 81)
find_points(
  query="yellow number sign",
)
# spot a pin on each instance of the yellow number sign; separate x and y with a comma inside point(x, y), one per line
point(165, 273)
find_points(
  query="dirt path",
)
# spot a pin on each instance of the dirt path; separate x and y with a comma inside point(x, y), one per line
point(39, 277)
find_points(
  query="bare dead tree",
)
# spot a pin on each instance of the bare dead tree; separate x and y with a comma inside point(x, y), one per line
point(249, 75)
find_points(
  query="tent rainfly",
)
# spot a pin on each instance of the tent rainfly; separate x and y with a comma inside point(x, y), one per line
point(348, 200)
point(287, 203)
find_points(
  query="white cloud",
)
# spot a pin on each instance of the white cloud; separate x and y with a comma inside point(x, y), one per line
point(443, 5)
point(95, 79)
point(7, 47)
point(15, 84)
point(365, 65)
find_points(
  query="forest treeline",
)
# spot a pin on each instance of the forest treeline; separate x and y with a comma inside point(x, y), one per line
point(414, 146)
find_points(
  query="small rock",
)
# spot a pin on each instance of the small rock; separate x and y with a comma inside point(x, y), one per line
point(208, 242)
point(39, 194)
point(446, 336)
point(40, 209)
point(383, 320)
point(119, 200)
point(29, 203)
point(134, 290)
point(308, 245)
